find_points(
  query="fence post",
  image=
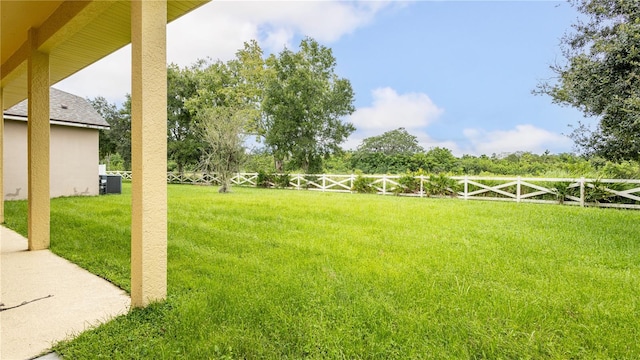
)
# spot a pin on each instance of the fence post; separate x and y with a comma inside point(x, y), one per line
point(384, 184)
point(324, 182)
point(518, 185)
point(582, 192)
point(298, 177)
point(352, 178)
point(466, 187)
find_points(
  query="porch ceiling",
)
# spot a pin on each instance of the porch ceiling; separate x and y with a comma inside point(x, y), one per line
point(75, 34)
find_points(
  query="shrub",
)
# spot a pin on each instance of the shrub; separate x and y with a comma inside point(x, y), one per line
point(282, 180)
point(265, 180)
point(114, 162)
point(442, 185)
point(561, 190)
point(408, 184)
point(363, 185)
point(597, 192)
point(622, 170)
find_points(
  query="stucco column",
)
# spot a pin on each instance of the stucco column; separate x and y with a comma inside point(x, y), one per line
point(38, 146)
point(148, 152)
point(1, 156)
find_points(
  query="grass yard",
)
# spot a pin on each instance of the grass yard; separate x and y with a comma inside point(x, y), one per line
point(277, 274)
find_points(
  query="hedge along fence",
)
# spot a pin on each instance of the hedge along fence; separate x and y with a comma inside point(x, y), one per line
point(614, 193)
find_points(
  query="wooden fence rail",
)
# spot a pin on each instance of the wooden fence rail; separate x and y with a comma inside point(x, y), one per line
point(616, 193)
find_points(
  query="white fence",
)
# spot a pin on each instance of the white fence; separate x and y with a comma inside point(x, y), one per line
point(617, 193)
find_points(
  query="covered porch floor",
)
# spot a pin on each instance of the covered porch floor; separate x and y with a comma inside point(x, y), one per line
point(68, 299)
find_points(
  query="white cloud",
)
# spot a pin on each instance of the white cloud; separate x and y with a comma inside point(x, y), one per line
point(219, 29)
point(416, 112)
point(427, 142)
point(209, 31)
point(521, 138)
point(326, 21)
point(277, 39)
point(391, 110)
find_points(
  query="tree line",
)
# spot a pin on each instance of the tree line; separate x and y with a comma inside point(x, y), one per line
point(293, 103)
point(398, 152)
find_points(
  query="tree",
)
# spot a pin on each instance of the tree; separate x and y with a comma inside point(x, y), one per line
point(441, 160)
point(394, 151)
point(393, 142)
point(602, 77)
point(184, 146)
point(116, 140)
point(223, 130)
point(304, 104)
point(226, 106)
point(251, 75)
point(109, 113)
point(121, 133)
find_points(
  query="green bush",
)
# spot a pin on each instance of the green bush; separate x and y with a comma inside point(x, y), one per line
point(622, 170)
point(408, 184)
point(561, 189)
point(114, 162)
point(442, 185)
point(265, 180)
point(363, 185)
point(172, 165)
point(282, 180)
point(597, 192)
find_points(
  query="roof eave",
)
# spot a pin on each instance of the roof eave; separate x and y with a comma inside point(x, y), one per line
point(59, 122)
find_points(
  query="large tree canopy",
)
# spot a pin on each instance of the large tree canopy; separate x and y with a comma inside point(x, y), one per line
point(393, 151)
point(304, 104)
point(226, 107)
point(393, 142)
point(293, 101)
point(184, 145)
point(602, 77)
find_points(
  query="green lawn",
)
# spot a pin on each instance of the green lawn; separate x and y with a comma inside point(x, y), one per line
point(277, 274)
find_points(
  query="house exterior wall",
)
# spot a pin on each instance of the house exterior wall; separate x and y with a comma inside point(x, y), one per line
point(74, 161)
point(15, 160)
point(73, 154)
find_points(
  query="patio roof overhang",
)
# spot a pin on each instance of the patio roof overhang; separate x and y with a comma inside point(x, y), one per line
point(43, 42)
point(75, 34)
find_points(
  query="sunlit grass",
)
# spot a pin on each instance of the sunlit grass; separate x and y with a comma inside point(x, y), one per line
point(292, 274)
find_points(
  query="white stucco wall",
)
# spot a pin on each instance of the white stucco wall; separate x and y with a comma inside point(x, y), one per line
point(74, 160)
point(15, 160)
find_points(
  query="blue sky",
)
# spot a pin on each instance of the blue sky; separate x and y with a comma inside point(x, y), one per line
point(457, 74)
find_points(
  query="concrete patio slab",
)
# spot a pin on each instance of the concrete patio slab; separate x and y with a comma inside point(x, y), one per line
point(54, 299)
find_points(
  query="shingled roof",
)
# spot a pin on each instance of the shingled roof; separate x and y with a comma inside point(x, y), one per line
point(65, 108)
